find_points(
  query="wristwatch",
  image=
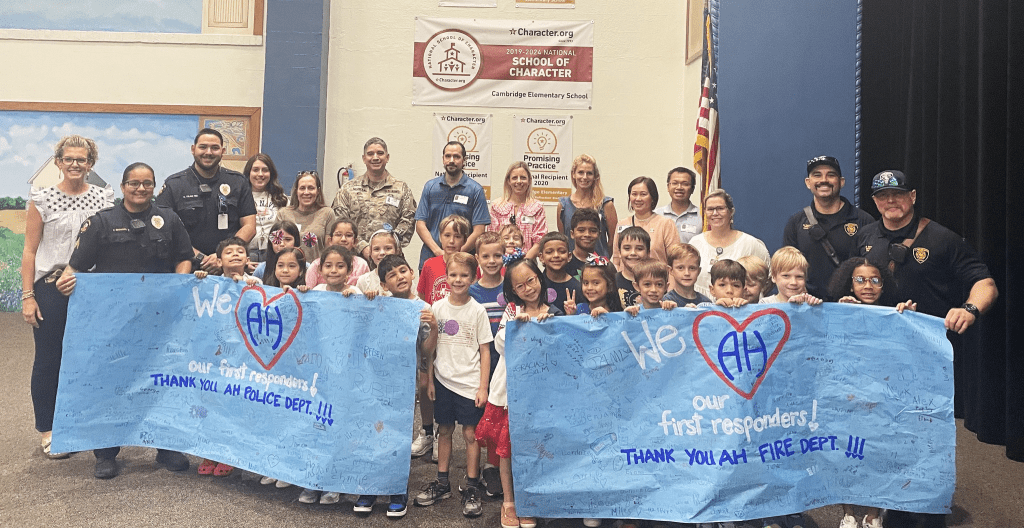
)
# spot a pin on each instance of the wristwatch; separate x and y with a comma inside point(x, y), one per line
point(972, 309)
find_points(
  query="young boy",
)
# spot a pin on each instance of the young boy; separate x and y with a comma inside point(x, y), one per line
point(728, 279)
point(651, 281)
point(511, 238)
point(684, 260)
point(789, 273)
point(454, 230)
point(758, 278)
point(585, 228)
point(554, 255)
point(458, 379)
point(234, 261)
point(397, 277)
point(634, 246)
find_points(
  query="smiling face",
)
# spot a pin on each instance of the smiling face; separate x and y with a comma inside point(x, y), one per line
point(726, 288)
point(555, 255)
point(685, 271)
point(74, 163)
point(640, 199)
point(651, 290)
point(208, 151)
point(138, 189)
point(398, 281)
point(459, 278)
point(307, 192)
point(867, 284)
point(595, 286)
point(584, 176)
point(896, 206)
point(585, 236)
point(334, 271)
point(824, 182)
point(259, 176)
point(632, 251)
point(375, 157)
point(512, 241)
point(718, 212)
point(489, 259)
point(790, 282)
point(382, 246)
point(680, 187)
point(451, 240)
point(233, 259)
point(519, 181)
point(526, 284)
point(287, 271)
point(343, 235)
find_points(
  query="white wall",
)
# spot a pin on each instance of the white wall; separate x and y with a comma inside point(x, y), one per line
point(645, 98)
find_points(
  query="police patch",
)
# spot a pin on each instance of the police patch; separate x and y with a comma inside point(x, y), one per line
point(867, 249)
point(158, 221)
point(851, 228)
point(225, 189)
point(806, 226)
point(85, 226)
point(921, 255)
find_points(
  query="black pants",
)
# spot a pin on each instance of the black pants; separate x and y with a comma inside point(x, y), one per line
point(111, 452)
point(49, 339)
point(902, 519)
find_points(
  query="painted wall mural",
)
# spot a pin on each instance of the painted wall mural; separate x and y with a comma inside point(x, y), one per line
point(152, 16)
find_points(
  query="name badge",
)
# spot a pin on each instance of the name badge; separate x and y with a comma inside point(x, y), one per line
point(391, 200)
point(689, 228)
point(222, 221)
point(461, 199)
point(619, 229)
point(527, 219)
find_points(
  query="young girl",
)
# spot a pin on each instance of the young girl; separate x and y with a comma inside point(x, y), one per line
point(341, 232)
point(599, 289)
point(512, 238)
point(759, 281)
point(520, 208)
point(522, 288)
point(861, 282)
point(335, 262)
point(289, 270)
point(382, 243)
point(283, 234)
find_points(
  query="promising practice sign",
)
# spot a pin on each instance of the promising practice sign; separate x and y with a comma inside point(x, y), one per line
point(474, 132)
point(544, 143)
point(503, 63)
point(701, 416)
point(308, 388)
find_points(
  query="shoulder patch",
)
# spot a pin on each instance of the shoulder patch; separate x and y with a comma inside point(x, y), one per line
point(851, 228)
point(921, 254)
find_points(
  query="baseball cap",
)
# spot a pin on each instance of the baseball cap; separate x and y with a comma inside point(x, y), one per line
point(824, 160)
point(889, 179)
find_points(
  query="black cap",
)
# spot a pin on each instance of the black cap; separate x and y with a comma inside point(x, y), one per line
point(824, 160)
point(889, 179)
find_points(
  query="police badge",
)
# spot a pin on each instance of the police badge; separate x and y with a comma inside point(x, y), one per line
point(851, 228)
point(920, 255)
point(158, 221)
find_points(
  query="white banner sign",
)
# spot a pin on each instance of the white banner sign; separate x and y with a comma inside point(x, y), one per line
point(545, 144)
point(468, 3)
point(503, 63)
point(547, 4)
point(474, 132)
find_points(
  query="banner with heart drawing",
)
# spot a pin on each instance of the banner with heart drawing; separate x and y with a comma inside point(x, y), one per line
point(315, 389)
point(696, 415)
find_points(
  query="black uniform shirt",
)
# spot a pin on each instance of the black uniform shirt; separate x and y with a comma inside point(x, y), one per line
point(108, 240)
point(229, 192)
point(841, 230)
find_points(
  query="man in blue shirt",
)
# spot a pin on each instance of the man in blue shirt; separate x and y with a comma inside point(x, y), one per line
point(452, 193)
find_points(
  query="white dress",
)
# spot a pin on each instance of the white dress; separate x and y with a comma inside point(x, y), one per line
point(743, 246)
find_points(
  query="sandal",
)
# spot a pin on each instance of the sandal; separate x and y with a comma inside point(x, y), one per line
point(508, 516)
point(207, 467)
point(45, 445)
point(222, 470)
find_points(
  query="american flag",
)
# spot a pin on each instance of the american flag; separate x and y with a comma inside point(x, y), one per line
point(705, 148)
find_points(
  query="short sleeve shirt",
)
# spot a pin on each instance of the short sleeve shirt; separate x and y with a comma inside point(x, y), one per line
point(460, 332)
point(228, 192)
point(118, 241)
point(439, 200)
point(62, 216)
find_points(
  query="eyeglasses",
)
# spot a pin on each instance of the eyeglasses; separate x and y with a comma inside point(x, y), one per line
point(873, 280)
point(716, 210)
point(71, 161)
point(133, 184)
point(531, 282)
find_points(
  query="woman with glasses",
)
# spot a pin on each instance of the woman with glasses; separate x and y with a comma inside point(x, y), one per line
point(269, 197)
point(721, 241)
point(53, 220)
point(308, 210)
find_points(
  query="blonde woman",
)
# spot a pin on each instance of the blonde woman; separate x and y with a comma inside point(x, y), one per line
point(518, 206)
point(589, 193)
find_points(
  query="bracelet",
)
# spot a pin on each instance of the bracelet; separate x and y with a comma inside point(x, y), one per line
point(28, 295)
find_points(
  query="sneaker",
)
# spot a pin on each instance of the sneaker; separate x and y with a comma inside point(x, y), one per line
point(282, 484)
point(849, 521)
point(330, 497)
point(875, 523)
point(422, 444)
point(527, 522)
point(397, 505)
point(266, 481)
point(591, 523)
point(795, 520)
point(364, 504)
point(771, 522)
point(173, 460)
point(106, 468)
point(471, 503)
point(309, 496)
point(492, 482)
point(509, 519)
point(435, 491)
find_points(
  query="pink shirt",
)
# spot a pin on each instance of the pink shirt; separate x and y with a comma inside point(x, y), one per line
point(529, 217)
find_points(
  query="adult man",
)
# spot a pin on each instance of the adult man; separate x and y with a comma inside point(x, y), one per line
point(376, 198)
point(214, 203)
point(681, 182)
point(825, 231)
point(933, 266)
point(452, 193)
point(134, 237)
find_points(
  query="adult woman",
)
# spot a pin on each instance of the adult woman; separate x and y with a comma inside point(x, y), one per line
point(589, 193)
point(519, 207)
point(269, 197)
point(308, 211)
point(53, 220)
point(722, 241)
point(643, 198)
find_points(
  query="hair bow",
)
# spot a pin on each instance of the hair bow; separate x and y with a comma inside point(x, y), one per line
point(596, 260)
point(518, 254)
point(309, 239)
point(277, 237)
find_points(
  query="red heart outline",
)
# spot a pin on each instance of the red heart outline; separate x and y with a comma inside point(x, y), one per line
point(266, 302)
point(739, 328)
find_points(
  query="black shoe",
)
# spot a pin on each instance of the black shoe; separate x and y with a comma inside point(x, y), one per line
point(492, 482)
point(471, 503)
point(397, 505)
point(106, 468)
point(434, 492)
point(173, 460)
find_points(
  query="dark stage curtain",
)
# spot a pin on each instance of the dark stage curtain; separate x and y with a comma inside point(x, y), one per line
point(943, 99)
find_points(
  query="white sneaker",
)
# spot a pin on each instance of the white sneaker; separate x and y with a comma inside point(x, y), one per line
point(330, 497)
point(282, 484)
point(422, 444)
point(875, 523)
point(309, 496)
point(849, 521)
point(266, 481)
point(591, 523)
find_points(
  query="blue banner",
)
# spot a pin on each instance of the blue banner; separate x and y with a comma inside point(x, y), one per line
point(315, 389)
point(705, 415)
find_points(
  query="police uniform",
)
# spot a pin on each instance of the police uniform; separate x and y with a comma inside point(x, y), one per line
point(116, 240)
point(199, 201)
point(841, 229)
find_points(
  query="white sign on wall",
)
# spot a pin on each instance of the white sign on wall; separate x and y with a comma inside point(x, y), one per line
point(542, 4)
point(503, 63)
point(468, 3)
point(545, 144)
point(474, 132)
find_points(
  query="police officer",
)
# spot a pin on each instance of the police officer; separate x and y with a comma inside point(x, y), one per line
point(825, 231)
point(134, 237)
point(214, 203)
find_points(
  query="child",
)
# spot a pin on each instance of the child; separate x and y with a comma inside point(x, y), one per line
point(382, 243)
point(341, 232)
point(524, 289)
point(634, 246)
point(289, 270)
point(652, 283)
point(458, 379)
point(584, 230)
point(335, 261)
point(283, 234)
point(684, 261)
point(558, 285)
point(728, 281)
point(789, 273)
point(599, 290)
point(511, 237)
point(454, 230)
point(759, 280)
point(396, 276)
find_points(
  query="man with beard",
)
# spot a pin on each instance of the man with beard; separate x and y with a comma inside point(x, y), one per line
point(825, 231)
point(214, 203)
point(452, 193)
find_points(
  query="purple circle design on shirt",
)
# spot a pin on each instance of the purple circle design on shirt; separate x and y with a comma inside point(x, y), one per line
point(451, 327)
point(501, 300)
point(552, 295)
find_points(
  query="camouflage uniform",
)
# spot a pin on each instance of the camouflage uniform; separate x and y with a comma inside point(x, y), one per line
point(371, 206)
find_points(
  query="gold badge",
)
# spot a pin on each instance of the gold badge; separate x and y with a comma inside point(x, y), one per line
point(225, 189)
point(158, 221)
point(867, 249)
point(85, 226)
point(920, 255)
point(851, 228)
point(806, 226)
